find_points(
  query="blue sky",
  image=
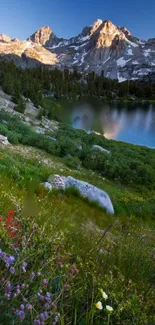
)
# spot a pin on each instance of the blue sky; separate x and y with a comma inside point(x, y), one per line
point(20, 18)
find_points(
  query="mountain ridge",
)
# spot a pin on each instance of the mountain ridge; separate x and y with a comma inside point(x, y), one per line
point(102, 47)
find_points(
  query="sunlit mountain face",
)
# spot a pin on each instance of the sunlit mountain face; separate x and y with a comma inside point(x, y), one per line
point(101, 47)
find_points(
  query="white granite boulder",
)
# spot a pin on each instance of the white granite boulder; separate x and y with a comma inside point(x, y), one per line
point(85, 189)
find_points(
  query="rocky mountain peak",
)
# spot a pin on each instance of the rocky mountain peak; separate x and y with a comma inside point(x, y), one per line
point(41, 36)
point(5, 38)
point(125, 31)
point(95, 26)
point(108, 27)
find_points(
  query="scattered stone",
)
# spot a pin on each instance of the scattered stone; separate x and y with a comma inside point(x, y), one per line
point(40, 131)
point(94, 147)
point(4, 140)
point(79, 146)
point(86, 190)
point(51, 138)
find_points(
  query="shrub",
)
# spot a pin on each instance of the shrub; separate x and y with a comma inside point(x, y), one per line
point(21, 105)
point(14, 137)
point(72, 162)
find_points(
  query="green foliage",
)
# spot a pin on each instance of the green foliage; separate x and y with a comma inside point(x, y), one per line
point(127, 163)
point(13, 137)
point(72, 162)
point(37, 82)
point(21, 105)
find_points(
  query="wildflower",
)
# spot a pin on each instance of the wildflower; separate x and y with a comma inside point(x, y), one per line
point(42, 316)
point(46, 314)
point(42, 298)
point(47, 306)
point(109, 308)
point(23, 285)
point(45, 282)
point(11, 259)
point(99, 305)
point(104, 295)
point(29, 307)
point(12, 270)
point(32, 276)
point(17, 291)
point(9, 287)
point(57, 318)
point(24, 265)
point(37, 322)
point(22, 307)
point(7, 296)
point(20, 314)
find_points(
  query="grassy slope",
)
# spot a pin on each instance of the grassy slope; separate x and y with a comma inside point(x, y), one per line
point(71, 232)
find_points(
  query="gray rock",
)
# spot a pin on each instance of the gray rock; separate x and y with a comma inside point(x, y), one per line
point(40, 131)
point(86, 190)
point(51, 138)
point(96, 147)
point(3, 140)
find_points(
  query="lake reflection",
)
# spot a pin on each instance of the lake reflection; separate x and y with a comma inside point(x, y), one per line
point(133, 123)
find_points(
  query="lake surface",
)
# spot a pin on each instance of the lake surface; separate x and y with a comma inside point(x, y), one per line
point(129, 122)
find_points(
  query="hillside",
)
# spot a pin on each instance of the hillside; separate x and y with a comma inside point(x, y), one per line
point(65, 260)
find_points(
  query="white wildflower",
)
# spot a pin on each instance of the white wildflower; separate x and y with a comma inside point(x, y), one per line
point(109, 308)
point(99, 305)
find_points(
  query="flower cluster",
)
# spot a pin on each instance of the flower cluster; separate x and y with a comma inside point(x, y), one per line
point(99, 304)
point(46, 307)
point(8, 260)
point(11, 225)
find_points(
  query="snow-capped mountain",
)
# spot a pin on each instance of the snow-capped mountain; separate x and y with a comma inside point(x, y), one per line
point(100, 47)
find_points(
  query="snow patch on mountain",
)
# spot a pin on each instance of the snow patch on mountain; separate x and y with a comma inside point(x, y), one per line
point(122, 62)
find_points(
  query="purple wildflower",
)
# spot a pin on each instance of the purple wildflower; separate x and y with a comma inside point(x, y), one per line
point(23, 285)
point(7, 296)
point(47, 306)
point(36, 322)
point(29, 307)
point(12, 270)
point(9, 287)
point(46, 314)
point(22, 307)
point(42, 298)
point(11, 259)
point(32, 276)
point(42, 316)
point(20, 314)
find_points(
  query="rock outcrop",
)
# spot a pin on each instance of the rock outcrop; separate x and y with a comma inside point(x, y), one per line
point(86, 190)
point(41, 36)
